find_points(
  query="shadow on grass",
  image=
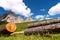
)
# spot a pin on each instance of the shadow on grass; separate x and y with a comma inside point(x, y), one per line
point(4, 35)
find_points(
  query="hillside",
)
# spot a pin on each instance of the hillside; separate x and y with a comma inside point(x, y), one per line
point(23, 26)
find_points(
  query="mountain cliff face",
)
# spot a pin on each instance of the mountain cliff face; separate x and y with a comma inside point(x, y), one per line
point(28, 19)
point(3, 16)
point(0, 18)
point(19, 19)
point(11, 17)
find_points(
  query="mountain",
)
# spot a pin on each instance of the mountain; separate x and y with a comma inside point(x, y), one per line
point(11, 17)
point(28, 19)
point(19, 19)
point(8, 17)
point(0, 18)
point(4, 16)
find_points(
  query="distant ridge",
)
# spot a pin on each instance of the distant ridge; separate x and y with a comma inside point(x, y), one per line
point(11, 17)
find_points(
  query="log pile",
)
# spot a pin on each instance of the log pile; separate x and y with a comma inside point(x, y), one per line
point(51, 26)
point(47, 22)
point(8, 28)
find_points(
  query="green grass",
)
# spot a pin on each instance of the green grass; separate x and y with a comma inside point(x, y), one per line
point(23, 26)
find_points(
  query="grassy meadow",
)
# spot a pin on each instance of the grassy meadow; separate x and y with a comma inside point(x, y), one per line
point(23, 26)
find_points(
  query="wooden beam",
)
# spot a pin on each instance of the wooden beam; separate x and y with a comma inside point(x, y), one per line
point(20, 32)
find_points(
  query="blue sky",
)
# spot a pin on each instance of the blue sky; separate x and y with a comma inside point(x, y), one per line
point(40, 9)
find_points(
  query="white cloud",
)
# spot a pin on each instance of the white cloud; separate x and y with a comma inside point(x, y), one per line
point(17, 6)
point(54, 10)
point(47, 15)
point(40, 17)
point(48, 18)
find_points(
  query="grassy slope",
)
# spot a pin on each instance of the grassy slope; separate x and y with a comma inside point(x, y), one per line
point(23, 26)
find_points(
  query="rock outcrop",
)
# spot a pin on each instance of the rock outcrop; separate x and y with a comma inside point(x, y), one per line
point(11, 17)
point(19, 19)
point(28, 19)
